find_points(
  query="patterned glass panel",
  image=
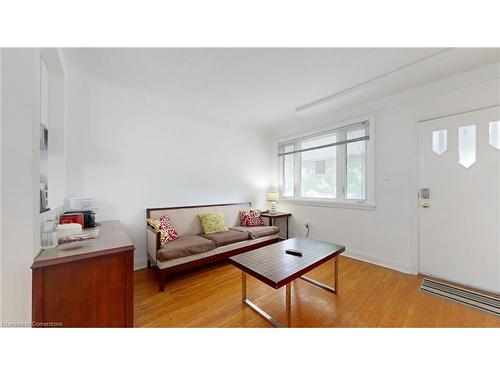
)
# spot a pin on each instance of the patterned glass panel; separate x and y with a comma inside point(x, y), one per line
point(495, 134)
point(439, 141)
point(467, 145)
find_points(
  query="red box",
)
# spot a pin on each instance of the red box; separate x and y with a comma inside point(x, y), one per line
point(71, 218)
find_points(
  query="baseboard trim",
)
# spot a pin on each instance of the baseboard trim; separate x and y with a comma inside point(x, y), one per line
point(401, 267)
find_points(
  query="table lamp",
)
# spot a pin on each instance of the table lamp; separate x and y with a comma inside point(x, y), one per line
point(272, 197)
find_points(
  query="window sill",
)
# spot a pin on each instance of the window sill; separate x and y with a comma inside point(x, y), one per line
point(323, 203)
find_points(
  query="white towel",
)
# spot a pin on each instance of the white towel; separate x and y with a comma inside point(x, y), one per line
point(70, 229)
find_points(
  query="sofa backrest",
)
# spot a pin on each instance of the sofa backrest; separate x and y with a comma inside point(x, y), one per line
point(185, 219)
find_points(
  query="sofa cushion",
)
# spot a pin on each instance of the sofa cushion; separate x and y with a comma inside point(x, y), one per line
point(227, 237)
point(183, 246)
point(257, 232)
point(213, 222)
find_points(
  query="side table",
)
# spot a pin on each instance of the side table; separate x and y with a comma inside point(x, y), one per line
point(272, 218)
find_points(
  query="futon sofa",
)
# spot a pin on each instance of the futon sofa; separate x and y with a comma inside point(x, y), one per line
point(193, 248)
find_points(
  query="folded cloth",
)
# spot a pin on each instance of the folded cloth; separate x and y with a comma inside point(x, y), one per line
point(69, 229)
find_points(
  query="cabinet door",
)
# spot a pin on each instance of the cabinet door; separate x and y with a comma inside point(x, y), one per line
point(93, 292)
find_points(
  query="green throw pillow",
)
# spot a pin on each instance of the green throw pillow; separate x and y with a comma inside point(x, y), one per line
point(213, 222)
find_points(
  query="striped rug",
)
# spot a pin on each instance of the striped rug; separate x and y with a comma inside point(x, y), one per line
point(469, 298)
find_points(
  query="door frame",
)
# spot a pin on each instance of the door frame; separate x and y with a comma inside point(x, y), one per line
point(414, 175)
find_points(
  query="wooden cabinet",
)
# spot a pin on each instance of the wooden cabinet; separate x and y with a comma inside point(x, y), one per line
point(87, 283)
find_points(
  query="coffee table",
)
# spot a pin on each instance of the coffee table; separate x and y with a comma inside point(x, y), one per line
point(271, 265)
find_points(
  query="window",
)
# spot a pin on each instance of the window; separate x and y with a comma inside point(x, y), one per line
point(289, 171)
point(331, 166)
point(318, 168)
point(356, 165)
point(495, 134)
point(467, 145)
point(440, 141)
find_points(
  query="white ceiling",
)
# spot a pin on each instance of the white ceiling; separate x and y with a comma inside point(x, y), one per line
point(255, 88)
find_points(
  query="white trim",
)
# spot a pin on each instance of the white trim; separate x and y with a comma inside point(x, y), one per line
point(329, 203)
point(414, 230)
point(460, 111)
point(359, 255)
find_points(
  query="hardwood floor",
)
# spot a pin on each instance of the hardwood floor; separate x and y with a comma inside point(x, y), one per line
point(369, 296)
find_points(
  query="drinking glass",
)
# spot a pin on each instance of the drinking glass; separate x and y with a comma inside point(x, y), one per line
point(49, 237)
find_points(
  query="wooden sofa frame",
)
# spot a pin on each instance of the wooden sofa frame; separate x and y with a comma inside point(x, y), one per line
point(162, 274)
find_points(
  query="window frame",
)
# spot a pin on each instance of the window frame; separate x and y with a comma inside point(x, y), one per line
point(341, 178)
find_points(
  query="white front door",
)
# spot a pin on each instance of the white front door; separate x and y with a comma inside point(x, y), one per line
point(459, 222)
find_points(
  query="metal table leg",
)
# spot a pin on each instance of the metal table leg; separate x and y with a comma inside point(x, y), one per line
point(289, 305)
point(323, 286)
point(336, 265)
point(243, 286)
point(288, 296)
point(261, 312)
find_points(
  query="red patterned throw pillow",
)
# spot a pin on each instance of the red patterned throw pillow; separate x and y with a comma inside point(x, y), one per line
point(251, 218)
point(167, 225)
point(167, 230)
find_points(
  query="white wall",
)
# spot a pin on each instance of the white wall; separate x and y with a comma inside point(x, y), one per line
point(1, 255)
point(20, 118)
point(388, 235)
point(129, 151)
point(57, 126)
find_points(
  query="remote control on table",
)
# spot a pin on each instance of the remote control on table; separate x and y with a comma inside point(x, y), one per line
point(297, 253)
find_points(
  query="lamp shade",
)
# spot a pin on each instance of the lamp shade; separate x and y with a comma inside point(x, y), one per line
point(272, 196)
